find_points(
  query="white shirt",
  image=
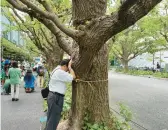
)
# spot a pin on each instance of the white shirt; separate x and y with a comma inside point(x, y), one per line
point(58, 80)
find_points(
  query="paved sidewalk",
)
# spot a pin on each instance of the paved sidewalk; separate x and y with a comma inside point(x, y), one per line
point(23, 114)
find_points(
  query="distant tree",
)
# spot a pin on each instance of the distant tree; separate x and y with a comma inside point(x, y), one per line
point(155, 25)
point(129, 44)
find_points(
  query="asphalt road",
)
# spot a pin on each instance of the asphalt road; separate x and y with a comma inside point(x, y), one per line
point(23, 114)
point(146, 97)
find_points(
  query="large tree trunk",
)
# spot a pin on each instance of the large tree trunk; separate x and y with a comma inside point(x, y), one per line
point(125, 64)
point(91, 97)
point(86, 10)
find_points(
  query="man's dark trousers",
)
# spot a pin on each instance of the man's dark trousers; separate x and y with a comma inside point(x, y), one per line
point(55, 105)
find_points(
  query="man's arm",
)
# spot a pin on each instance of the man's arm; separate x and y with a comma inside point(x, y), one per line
point(71, 70)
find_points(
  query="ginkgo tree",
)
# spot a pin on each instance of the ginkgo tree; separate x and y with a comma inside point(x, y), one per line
point(92, 28)
point(129, 44)
point(144, 37)
point(155, 25)
point(40, 36)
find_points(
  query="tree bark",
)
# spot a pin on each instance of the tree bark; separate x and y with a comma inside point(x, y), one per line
point(86, 10)
point(125, 63)
point(91, 97)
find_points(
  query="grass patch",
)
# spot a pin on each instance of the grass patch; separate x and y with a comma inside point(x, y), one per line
point(143, 73)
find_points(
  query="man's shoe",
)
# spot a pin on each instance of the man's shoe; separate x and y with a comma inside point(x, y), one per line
point(16, 99)
point(13, 99)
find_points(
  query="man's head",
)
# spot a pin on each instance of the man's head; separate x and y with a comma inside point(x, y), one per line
point(64, 64)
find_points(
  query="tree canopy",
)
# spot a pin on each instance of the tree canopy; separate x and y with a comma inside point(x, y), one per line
point(148, 35)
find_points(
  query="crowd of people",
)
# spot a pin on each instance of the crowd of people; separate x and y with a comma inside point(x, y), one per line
point(13, 73)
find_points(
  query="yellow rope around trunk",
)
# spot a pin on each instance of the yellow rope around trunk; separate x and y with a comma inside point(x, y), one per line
point(89, 82)
point(80, 80)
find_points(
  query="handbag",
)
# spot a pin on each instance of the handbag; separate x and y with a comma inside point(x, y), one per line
point(45, 91)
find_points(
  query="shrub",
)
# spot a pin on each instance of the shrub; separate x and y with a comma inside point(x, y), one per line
point(67, 102)
point(117, 123)
point(143, 72)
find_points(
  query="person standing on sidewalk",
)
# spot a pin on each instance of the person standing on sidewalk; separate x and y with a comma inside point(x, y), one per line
point(57, 88)
point(41, 73)
point(15, 75)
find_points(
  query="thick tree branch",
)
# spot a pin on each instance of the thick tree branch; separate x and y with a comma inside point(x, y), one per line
point(125, 6)
point(133, 11)
point(20, 18)
point(45, 5)
point(49, 8)
point(45, 36)
point(52, 16)
point(49, 24)
point(33, 35)
point(62, 42)
point(16, 5)
point(30, 35)
point(111, 25)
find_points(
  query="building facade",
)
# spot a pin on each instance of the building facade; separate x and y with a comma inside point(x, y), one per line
point(150, 60)
point(13, 36)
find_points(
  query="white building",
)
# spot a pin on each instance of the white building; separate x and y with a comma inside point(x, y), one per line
point(146, 60)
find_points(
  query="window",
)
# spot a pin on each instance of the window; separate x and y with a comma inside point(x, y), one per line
point(5, 35)
point(14, 41)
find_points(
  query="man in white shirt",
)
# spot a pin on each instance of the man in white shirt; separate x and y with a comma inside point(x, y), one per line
point(57, 88)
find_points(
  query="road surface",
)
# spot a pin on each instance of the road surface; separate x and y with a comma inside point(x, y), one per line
point(23, 114)
point(147, 98)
